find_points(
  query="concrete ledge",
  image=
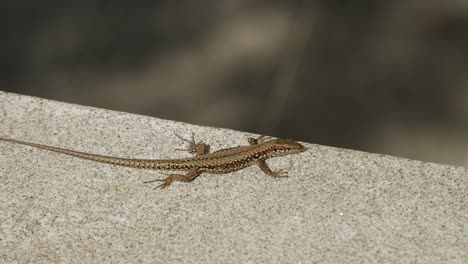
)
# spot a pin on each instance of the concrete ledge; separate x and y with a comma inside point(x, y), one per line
point(337, 206)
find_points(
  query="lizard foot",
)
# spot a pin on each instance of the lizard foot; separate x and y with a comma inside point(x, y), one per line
point(166, 182)
point(197, 148)
point(279, 174)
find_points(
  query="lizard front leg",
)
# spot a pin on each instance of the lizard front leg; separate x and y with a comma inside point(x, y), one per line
point(255, 141)
point(198, 149)
point(275, 174)
point(188, 177)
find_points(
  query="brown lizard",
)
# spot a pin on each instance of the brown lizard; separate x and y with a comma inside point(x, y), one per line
point(221, 161)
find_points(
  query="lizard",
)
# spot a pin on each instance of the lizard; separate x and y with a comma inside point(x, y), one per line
point(219, 162)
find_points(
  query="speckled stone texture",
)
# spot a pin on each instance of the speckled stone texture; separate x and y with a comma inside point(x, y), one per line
point(337, 206)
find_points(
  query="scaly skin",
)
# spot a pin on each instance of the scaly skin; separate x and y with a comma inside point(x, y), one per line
point(221, 161)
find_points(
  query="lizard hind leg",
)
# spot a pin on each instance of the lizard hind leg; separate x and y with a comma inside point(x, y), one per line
point(197, 148)
point(188, 177)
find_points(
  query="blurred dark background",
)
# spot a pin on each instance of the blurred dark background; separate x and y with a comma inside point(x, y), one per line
point(379, 76)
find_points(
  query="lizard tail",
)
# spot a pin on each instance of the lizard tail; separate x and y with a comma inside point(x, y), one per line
point(134, 163)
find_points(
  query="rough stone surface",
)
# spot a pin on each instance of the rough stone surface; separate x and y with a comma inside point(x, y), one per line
point(337, 206)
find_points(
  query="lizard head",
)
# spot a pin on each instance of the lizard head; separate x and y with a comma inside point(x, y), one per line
point(282, 147)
